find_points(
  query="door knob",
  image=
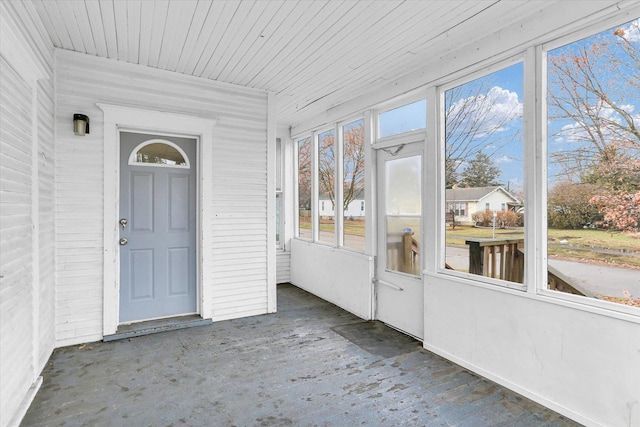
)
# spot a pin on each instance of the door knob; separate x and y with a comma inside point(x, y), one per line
point(123, 241)
point(123, 223)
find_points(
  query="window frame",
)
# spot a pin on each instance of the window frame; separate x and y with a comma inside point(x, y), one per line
point(440, 88)
point(133, 155)
point(339, 208)
point(540, 54)
point(401, 138)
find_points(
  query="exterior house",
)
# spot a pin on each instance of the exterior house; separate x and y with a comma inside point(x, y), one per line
point(355, 209)
point(462, 203)
point(195, 116)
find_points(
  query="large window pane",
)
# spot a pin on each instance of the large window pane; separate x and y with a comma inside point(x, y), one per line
point(326, 186)
point(403, 119)
point(484, 151)
point(403, 207)
point(304, 188)
point(353, 185)
point(593, 161)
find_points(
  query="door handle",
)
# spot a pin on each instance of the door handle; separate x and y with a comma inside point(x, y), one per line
point(123, 241)
point(391, 285)
point(123, 222)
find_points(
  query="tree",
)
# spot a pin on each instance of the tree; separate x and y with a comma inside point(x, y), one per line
point(353, 184)
point(450, 174)
point(353, 163)
point(480, 172)
point(593, 85)
point(569, 205)
point(476, 117)
point(619, 202)
point(304, 173)
point(590, 101)
point(327, 165)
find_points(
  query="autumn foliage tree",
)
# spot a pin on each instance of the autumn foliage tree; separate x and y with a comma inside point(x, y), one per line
point(569, 205)
point(593, 88)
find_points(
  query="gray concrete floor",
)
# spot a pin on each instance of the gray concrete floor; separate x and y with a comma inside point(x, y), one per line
point(311, 364)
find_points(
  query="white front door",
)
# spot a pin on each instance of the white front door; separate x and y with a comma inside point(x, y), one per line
point(399, 285)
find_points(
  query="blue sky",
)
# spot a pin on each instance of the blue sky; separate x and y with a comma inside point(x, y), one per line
point(502, 94)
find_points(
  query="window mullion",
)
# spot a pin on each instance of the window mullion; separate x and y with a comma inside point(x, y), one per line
point(339, 188)
point(315, 199)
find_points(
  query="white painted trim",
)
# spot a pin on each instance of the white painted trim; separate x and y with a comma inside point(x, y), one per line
point(338, 187)
point(118, 117)
point(16, 420)
point(535, 178)
point(272, 297)
point(35, 232)
point(315, 220)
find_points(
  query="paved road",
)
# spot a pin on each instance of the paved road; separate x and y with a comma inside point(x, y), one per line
point(599, 279)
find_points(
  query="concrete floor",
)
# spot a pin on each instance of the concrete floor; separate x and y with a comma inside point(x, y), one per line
point(311, 364)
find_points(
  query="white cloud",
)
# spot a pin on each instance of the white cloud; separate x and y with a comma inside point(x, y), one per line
point(577, 131)
point(632, 31)
point(503, 159)
point(487, 113)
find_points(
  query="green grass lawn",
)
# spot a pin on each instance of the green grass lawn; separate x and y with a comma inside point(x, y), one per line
point(583, 245)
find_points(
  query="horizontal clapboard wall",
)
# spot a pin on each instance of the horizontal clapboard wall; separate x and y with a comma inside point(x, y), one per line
point(15, 238)
point(239, 223)
point(283, 267)
point(27, 290)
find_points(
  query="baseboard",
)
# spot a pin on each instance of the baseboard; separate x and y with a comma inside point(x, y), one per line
point(579, 418)
point(26, 403)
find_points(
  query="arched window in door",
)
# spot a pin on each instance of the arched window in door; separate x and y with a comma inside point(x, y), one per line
point(159, 152)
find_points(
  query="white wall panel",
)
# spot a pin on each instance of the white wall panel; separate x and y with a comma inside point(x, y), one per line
point(577, 362)
point(338, 276)
point(16, 327)
point(239, 200)
point(26, 220)
point(283, 267)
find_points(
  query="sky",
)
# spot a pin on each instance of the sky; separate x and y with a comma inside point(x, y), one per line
point(495, 115)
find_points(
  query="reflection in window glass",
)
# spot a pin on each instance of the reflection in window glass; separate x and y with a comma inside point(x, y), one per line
point(159, 154)
point(326, 186)
point(403, 119)
point(593, 200)
point(403, 209)
point(304, 188)
point(483, 172)
point(353, 185)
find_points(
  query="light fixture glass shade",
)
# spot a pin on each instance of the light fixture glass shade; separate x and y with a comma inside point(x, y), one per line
point(80, 124)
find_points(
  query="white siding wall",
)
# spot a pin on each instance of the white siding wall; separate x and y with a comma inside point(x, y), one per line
point(26, 220)
point(239, 231)
point(15, 237)
point(283, 267)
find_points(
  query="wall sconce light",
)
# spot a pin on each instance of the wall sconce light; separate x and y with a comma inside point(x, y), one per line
point(80, 124)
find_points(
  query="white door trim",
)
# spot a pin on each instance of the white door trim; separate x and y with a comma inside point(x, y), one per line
point(118, 117)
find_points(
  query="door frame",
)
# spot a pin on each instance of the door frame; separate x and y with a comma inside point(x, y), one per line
point(123, 118)
point(417, 143)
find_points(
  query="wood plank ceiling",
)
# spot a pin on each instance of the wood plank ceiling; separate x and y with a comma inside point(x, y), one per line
point(306, 52)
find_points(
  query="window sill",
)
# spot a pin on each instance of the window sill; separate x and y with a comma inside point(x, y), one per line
point(598, 307)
